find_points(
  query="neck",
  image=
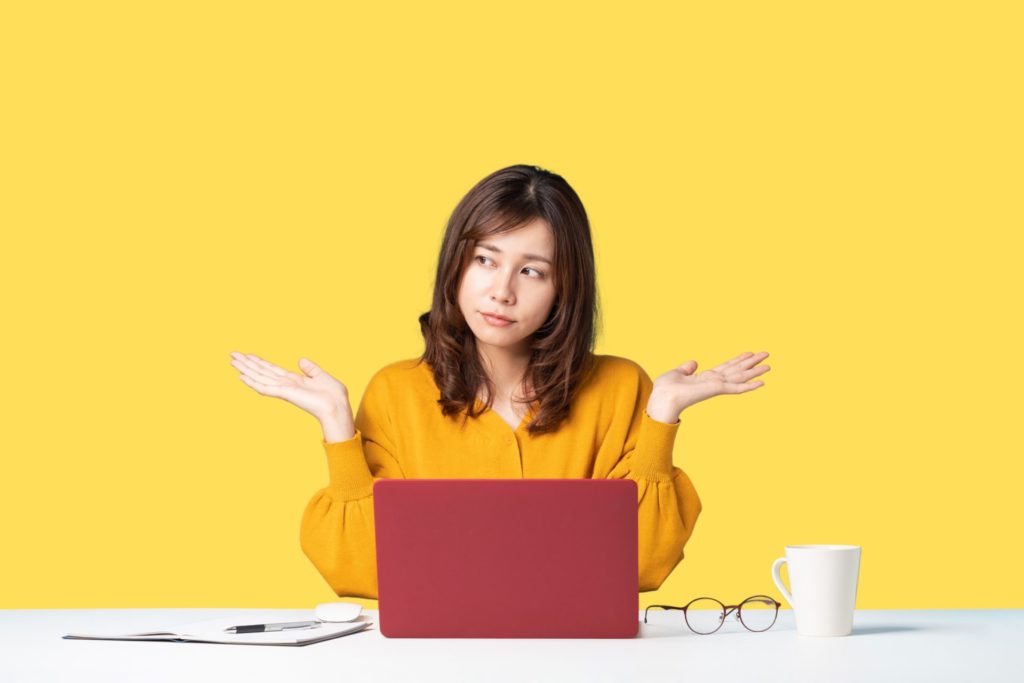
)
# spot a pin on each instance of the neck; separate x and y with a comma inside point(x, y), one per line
point(506, 367)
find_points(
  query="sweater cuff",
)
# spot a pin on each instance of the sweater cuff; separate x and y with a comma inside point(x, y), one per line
point(652, 458)
point(350, 476)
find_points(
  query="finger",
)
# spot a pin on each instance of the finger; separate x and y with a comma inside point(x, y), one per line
point(747, 375)
point(752, 360)
point(732, 361)
point(308, 367)
point(743, 363)
point(269, 367)
point(688, 367)
point(265, 389)
point(254, 371)
point(244, 360)
point(243, 364)
point(733, 388)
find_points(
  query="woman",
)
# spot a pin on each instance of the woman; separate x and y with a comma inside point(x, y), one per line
point(507, 387)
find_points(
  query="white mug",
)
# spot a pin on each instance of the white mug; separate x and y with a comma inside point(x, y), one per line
point(824, 583)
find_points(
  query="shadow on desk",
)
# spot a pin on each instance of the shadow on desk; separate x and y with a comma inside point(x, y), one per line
point(874, 630)
point(663, 631)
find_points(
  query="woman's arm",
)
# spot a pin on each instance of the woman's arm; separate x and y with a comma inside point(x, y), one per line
point(337, 531)
point(337, 528)
point(668, 502)
point(337, 427)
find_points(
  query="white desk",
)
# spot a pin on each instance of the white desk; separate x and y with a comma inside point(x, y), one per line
point(912, 645)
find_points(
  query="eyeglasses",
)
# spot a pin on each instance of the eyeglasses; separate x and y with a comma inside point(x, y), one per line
point(706, 615)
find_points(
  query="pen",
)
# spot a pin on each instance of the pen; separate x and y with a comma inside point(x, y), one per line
point(282, 626)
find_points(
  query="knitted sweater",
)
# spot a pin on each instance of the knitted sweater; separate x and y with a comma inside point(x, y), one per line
point(401, 432)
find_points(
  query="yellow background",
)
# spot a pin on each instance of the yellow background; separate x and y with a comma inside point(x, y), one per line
point(837, 184)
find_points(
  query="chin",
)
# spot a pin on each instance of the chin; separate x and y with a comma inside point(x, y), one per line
point(494, 337)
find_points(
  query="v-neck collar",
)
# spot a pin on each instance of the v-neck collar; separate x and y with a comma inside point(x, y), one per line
point(492, 415)
point(488, 413)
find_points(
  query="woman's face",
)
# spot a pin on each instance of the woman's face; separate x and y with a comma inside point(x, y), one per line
point(509, 275)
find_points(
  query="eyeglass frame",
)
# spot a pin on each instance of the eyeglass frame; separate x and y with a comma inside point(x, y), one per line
point(726, 609)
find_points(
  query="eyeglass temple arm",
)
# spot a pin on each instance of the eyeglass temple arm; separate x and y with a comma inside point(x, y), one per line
point(728, 608)
point(662, 607)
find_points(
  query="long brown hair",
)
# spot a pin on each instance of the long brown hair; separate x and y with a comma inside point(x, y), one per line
point(562, 348)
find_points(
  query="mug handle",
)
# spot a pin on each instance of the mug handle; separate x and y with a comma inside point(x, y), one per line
point(777, 578)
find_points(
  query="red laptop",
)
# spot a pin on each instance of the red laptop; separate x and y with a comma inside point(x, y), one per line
point(507, 558)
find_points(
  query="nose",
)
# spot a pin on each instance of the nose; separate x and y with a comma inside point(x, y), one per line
point(501, 290)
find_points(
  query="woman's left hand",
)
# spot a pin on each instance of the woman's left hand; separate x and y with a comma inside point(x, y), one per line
point(679, 388)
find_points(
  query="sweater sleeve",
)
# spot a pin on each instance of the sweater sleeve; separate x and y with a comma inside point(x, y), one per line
point(337, 532)
point(669, 505)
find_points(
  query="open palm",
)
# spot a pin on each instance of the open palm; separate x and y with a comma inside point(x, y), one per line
point(314, 390)
point(683, 388)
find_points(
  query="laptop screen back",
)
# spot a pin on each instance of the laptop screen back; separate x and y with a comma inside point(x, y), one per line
point(507, 558)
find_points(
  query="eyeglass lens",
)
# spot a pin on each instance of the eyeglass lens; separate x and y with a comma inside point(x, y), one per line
point(705, 615)
point(758, 613)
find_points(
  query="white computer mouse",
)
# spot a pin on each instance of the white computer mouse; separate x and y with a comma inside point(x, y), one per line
point(338, 611)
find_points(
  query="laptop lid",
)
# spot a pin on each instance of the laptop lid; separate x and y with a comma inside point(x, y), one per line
point(507, 558)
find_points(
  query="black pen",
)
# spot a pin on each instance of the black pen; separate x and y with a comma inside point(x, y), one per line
point(282, 626)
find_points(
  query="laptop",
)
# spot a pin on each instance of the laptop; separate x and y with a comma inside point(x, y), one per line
point(507, 558)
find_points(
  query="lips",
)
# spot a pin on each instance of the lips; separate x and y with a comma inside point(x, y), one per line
point(496, 315)
point(496, 320)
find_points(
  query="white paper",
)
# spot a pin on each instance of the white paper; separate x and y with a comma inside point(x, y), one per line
point(212, 631)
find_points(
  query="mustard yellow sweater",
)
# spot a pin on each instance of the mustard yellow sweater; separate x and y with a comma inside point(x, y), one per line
point(400, 432)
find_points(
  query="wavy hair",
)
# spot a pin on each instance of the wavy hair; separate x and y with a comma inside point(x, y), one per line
point(562, 348)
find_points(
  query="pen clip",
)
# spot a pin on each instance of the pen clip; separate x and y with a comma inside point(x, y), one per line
point(303, 625)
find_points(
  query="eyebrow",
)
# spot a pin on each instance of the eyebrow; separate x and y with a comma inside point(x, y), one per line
point(529, 257)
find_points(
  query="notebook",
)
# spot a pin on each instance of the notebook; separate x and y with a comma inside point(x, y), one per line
point(212, 631)
point(507, 558)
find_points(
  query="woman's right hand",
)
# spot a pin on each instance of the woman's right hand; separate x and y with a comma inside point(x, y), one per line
point(314, 391)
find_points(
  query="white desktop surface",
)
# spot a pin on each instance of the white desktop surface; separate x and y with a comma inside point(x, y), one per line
point(886, 645)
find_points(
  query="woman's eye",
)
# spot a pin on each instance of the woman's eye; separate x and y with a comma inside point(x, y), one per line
point(482, 260)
